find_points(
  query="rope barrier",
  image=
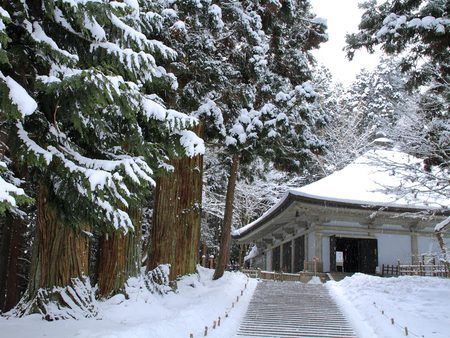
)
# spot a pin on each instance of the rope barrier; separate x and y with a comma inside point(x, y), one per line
point(216, 323)
point(405, 329)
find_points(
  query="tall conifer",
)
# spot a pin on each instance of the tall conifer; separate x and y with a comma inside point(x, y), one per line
point(91, 124)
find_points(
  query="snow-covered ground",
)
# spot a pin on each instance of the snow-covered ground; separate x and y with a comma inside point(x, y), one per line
point(422, 304)
point(198, 303)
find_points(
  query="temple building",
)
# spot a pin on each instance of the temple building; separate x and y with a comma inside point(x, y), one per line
point(368, 214)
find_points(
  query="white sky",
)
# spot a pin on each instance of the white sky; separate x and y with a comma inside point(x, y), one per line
point(343, 16)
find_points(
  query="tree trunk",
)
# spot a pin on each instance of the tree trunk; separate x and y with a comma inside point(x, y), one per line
point(10, 246)
point(445, 258)
point(119, 258)
point(59, 266)
point(175, 236)
point(60, 252)
point(225, 241)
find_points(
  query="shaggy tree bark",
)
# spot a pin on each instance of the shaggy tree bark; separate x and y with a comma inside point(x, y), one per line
point(175, 234)
point(60, 259)
point(225, 241)
point(119, 258)
point(60, 252)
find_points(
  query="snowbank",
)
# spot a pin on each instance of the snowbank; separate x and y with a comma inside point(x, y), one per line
point(419, 303)
point(198, 302)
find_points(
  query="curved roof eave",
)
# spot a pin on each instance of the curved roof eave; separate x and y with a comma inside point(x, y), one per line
point(306, 198)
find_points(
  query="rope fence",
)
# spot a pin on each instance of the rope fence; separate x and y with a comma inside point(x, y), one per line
point(404, 329)
point(216, 323)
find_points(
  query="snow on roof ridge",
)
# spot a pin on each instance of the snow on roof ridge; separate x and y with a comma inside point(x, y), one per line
point(365, 175)
point(366, 180)
point(392, 204)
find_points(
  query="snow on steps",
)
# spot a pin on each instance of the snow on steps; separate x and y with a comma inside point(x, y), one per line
point(286, 309)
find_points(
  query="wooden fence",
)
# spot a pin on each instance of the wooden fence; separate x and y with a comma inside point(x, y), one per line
point(303, 277)
point(433, 270)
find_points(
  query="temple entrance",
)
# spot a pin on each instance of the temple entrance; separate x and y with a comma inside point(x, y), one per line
point(276, 266)
point(299, 253)
point(287, 257)
point(353, 254)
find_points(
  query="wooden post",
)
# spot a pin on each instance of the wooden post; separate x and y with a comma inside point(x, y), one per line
point(392, 321)
point(406, 331)
point(204, 260)
point(382, 270)
point(398, 268)
point(206, 331)
point(214, 324)
point(218, 322)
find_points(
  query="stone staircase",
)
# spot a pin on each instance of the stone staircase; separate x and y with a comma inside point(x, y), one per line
point(292, 309)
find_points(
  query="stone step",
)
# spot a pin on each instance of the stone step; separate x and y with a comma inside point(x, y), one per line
point(293, 310)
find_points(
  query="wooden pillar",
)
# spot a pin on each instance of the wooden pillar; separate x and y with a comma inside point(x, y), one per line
point(306, 247)
point(269, 254)
point(318, 246)
point(414, 248)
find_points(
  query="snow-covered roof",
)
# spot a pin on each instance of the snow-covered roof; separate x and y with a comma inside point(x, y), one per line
point(373, 180)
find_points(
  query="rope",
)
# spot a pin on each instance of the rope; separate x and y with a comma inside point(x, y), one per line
point(405, 329)
point(216, 323)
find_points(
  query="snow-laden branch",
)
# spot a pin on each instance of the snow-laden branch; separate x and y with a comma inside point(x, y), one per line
point(8, 191)
point(94, 178)
point(25, 104)
point(442, 225)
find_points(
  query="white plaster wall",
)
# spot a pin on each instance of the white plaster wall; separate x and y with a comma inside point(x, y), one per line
point(326, 253)
point(429, 244)
point(392, 248)
point(269, 260)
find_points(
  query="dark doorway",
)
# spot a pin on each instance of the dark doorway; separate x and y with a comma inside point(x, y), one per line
point(287, 257)
point(299, 253)
point(276, 259)
point(360, 254)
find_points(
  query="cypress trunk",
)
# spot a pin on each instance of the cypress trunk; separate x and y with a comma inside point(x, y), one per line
point(225, 241)
point(119, 258)
point(175, 236)
point(60, 252)
point(59, 266)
